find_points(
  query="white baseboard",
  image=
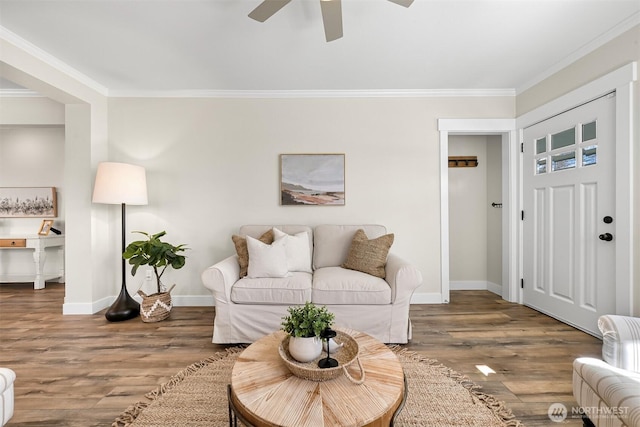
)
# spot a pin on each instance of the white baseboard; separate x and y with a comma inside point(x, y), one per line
point(96, 306)
point(475, 285)
point(468, 285)
point(87, 307)
point(202, 301)
point(495, 288)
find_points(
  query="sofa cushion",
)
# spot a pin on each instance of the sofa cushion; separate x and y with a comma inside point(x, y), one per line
point(336, 285)
point(369, 255)
point(240, 243)
point(297, 249)
point(294, 289)
point(266, 260)
point(332, 242)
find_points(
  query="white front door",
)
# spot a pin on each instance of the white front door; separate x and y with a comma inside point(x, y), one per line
point(569, 203)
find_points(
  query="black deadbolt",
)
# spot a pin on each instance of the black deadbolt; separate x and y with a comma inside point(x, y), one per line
point(607, 219)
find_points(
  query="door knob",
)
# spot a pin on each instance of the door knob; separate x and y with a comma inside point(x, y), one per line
point(607, 237)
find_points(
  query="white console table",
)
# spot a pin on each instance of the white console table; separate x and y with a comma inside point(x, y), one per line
point(37, 244)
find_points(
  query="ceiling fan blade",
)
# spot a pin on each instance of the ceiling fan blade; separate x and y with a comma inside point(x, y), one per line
point(405, 3)
point(266, 9)
point(332, 18)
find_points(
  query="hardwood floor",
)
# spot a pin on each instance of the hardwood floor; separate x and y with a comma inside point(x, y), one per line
point(84, 371)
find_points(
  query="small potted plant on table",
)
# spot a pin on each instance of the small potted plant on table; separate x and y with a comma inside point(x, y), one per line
point(159, 255)
point(305, 324)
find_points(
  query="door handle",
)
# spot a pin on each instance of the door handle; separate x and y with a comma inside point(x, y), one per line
point(607, 237)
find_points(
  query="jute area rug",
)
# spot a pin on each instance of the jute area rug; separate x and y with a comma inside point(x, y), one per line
point(438, 397)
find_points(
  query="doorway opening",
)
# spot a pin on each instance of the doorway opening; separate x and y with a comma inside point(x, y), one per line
point(32, 155)
point(475, 213)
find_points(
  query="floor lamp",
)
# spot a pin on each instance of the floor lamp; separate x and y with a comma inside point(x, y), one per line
point(121, 184)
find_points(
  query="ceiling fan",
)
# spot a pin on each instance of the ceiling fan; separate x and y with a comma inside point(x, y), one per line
point(331, 14)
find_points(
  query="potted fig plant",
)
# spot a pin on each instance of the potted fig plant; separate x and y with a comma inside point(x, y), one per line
point(304, 324)
point(158, 255)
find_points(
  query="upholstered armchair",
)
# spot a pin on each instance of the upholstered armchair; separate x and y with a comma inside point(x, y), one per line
point(7, 377)
point(608, 390)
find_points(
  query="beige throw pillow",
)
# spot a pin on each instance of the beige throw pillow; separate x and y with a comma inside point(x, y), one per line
point(240, 243)
point(369, 256)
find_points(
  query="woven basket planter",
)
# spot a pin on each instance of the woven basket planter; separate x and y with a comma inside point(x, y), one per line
point(345, 356)
point(155, 307)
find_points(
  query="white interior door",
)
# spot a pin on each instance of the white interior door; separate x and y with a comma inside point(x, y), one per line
point(569, 203)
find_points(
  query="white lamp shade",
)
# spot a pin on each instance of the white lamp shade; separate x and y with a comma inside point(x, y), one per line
point(118, 183)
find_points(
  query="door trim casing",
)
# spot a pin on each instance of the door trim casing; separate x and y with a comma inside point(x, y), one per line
point(506, 129)
point(620, 80)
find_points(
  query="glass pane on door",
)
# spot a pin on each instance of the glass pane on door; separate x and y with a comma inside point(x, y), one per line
point(563, 161)
point(563, 139)
point(590, 155)
point(541, 166)
point(588, 131)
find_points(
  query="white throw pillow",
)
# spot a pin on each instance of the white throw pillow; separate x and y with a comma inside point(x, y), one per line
point(266, 260)
point(297, 248)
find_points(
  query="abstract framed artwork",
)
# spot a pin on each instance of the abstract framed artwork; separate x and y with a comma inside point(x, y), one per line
point(312, 179)
point(28, 202)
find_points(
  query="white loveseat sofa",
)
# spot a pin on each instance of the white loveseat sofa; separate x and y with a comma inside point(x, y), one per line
point(247, 309)
point(608, 391)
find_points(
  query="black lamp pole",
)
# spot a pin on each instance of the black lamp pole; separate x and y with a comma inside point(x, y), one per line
point(124, 307)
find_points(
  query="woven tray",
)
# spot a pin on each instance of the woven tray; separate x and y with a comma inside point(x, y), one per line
point(346, 355)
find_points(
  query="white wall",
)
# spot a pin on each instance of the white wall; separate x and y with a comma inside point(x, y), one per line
point(31, 111)
point(32, 157)
point(213, 165)
point(468, 212)
point(475, 236)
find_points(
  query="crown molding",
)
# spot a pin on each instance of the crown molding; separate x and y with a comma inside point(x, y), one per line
point(409, 93)
point(431, 93)
point(618, 30)
point(51, 60)
point(19, 93)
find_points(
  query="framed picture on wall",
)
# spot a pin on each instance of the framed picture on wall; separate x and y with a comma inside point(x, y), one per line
point(312, 179)
point(28, 202)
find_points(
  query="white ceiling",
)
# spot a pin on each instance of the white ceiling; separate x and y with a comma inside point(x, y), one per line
point(145, 46)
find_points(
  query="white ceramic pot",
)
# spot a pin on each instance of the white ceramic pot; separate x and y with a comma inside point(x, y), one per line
point(305, 349)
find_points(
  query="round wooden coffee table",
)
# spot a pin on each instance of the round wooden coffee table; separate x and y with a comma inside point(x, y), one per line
point(265, 393)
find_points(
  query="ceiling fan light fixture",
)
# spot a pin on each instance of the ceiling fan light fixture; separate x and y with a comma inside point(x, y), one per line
point(405, 3)
point(331, 14)
point(332, 19)
point(266, 9)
